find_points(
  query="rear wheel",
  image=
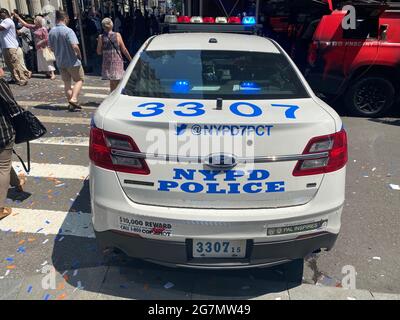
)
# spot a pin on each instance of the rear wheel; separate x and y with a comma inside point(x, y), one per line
point(371, 96)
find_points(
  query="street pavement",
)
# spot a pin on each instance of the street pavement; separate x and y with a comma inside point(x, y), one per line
point(51, 224)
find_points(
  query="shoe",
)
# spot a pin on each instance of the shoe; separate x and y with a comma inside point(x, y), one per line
point(5, 213)
point(73, 106)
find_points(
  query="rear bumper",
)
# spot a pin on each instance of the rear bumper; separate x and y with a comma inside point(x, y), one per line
point(178, 254)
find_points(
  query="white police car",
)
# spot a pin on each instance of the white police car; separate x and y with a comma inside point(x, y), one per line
point(215, 153)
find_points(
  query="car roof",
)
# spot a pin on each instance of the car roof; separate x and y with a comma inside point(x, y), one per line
point(201, 41)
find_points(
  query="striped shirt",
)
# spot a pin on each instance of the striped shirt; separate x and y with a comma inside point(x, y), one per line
point(8, 106)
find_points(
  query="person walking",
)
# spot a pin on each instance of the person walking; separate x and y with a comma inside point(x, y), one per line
point(112, 47)
point(65, 44)
point(8, 108)
point(10, 45)
point(27, 46)
point(41, 36)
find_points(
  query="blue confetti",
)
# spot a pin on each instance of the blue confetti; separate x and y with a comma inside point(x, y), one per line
point(39, 230)
point(46, 297)
point(29, 290)
point(9, 259)
point(47, 222)
point(21, 249)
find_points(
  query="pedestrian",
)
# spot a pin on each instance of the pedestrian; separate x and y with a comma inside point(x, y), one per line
point(41, 36)
point(8, 108)
point(65, 44)
point(27, 46)
point(139, 31)
point(112, 47)
point(10, 45)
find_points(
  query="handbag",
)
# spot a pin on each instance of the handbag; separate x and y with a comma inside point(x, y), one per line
point(48, 55)
point(27, 128)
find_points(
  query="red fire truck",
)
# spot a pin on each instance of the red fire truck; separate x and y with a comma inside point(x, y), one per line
point(361, 65)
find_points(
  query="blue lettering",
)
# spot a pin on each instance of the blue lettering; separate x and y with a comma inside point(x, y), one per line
point(209, 175)
point(234, 188)
point(192, 187)
point(278, 186)
point(248, 187)
point(257, 175)
point(213, 188)
point(231, 175)
point(186, 174)
point(167, 185)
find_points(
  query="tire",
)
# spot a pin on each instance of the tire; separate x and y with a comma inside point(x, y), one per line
point(370, 96)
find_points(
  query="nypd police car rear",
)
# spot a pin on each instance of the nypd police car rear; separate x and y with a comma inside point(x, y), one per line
point(215, 153)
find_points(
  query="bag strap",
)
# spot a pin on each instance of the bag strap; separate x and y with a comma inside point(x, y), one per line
point(28, 152)
point(115, 47)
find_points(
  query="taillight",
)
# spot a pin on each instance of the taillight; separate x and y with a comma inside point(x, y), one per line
point(183, 19)
point(113, 151)
point(234, 20)
point(208, 20)
point(335, 145)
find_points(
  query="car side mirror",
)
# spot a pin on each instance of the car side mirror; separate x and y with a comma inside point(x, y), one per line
point(383, 28)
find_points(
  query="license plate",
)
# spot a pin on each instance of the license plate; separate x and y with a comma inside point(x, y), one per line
point(219, 248)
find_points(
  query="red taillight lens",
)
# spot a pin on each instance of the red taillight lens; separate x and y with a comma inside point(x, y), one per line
point(234, 20)
point(102, 143)
point(184, 19)
point(336, 146)
point(208, 20)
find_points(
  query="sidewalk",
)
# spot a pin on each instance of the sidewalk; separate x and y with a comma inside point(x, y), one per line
point(314, 292)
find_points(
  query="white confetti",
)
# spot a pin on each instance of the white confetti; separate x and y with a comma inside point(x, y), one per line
point(7, 273)
point(44, 263)
point(373, 169)
point(376, 258)
point(394, 186)
point(45, 241)
point(351, 298)
point(75, 273)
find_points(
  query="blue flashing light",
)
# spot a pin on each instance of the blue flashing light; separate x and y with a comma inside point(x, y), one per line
point(249, 87)
point(249, 20)
point(181, 86)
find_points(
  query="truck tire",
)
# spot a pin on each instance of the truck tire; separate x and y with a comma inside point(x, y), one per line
point(370, 96)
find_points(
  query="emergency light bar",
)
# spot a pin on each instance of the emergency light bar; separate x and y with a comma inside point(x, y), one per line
point(182, 24)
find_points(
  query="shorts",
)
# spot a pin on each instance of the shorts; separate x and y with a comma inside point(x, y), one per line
point(74, 73)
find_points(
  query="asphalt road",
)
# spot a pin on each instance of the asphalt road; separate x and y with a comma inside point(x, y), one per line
point(51, 221)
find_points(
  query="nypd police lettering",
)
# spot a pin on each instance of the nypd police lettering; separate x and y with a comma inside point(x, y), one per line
point(205, 181)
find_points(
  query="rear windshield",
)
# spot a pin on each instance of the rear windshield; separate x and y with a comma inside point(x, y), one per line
point(206, 74)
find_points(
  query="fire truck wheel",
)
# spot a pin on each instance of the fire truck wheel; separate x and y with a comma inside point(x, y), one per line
point(370, 96)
